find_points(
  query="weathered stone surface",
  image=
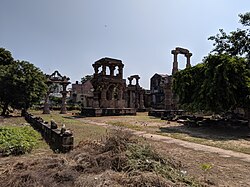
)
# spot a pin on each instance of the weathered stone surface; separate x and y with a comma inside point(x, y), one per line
point(58, 141)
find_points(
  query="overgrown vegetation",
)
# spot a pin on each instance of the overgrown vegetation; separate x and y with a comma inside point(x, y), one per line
point(119, 159)
point(21, 83)
point(222, 81)
point(17, 140)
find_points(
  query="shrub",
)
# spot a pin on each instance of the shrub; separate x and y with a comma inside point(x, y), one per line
point(17, 140)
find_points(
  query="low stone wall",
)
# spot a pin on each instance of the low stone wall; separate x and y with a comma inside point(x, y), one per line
point(97, 112)
point(165, 113)
point(60, 140)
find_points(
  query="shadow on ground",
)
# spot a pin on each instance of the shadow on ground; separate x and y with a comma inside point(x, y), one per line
point(215, 132)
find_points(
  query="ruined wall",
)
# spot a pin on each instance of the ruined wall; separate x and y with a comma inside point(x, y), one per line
point(60, 140)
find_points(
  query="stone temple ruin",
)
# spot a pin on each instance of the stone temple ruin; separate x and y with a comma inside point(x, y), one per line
point(109, 90)
point(161, 85)
point(53, 81)
point(135, 94)
point(111, 95)
point(175, 52)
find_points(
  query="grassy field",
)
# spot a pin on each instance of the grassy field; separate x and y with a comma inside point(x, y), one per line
point(225, 138)
point(81, 131)
point(89, 133)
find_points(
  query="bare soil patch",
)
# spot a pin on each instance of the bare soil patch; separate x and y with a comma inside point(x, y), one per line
point(226, 170)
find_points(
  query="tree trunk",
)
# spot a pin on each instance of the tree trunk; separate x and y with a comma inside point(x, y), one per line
point(5, 107)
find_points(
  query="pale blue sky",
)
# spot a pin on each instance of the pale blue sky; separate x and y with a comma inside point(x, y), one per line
point(69, 35)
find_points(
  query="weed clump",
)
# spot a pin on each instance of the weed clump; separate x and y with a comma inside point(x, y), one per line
point(17, 140)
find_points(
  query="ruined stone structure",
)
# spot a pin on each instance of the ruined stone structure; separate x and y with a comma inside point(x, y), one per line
point(135, 94)
point(82, 93)
point(56, 78)
point(183, 51)
point(161, 84)
point(109, 89)
point(59, 139)
point(157, 87)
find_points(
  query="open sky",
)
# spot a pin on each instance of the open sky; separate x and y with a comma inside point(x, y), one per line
point(70, 35)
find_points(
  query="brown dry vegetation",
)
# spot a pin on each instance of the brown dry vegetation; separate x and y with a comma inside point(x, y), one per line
point(117, 160)
point(44, 167)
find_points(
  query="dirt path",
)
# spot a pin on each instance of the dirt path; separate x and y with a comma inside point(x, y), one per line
point(229, 168)
point(190, 145)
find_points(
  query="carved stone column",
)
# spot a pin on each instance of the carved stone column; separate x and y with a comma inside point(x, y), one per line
point(95, 69)
point(131, 99)
point(64, 95)
point(175, 63)
point(130, 80)
point(104, 70)
point(46, 104)
point(188, 56)
point(112, 69)
point(141, 103)
point(137, 81)
point(120, 69)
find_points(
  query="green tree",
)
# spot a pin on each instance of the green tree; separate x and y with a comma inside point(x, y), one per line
point(5, 57)
point(21, 84)
point(187, 84)
point(236, 42)
point(86, 78)
point(220, 83)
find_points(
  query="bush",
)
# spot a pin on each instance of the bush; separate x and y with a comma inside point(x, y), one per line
point(17, 140)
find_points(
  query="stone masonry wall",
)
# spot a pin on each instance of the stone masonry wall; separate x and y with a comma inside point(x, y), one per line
point(60, 140)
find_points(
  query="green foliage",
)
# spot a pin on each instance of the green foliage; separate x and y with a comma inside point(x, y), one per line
point(206, 167)
point(187, 84)
point(21, 84)
point(5, 57)
point(55, 100)
point(222, 82)
point(219, 84)
point(236, 42)
point(86, 78)
point(17, 140)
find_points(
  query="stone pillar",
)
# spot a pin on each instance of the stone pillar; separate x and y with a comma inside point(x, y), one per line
point(64, 95)
point(131, 99)
point(104, 70)
point(137, 81)
point(130, 80)
point(120, 69)
point(95, 69)
point(112, 69)
point(46, 104)
point(175, 63)
point(188, 56)
point(141, 104)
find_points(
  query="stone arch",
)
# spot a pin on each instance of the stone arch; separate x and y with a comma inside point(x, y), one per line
point(110, 92)
point(56, 79)
point(114, 92)
point(175, 52)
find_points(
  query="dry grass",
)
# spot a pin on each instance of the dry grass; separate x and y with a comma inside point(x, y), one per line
point(81, 131)
point(225, 138)
point(117, 160)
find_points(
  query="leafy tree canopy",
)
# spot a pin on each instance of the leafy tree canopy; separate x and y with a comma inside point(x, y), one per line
point(86, 78)
point(236, 42)
point(5, 57)
point(21, 84)
point(220, 83)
